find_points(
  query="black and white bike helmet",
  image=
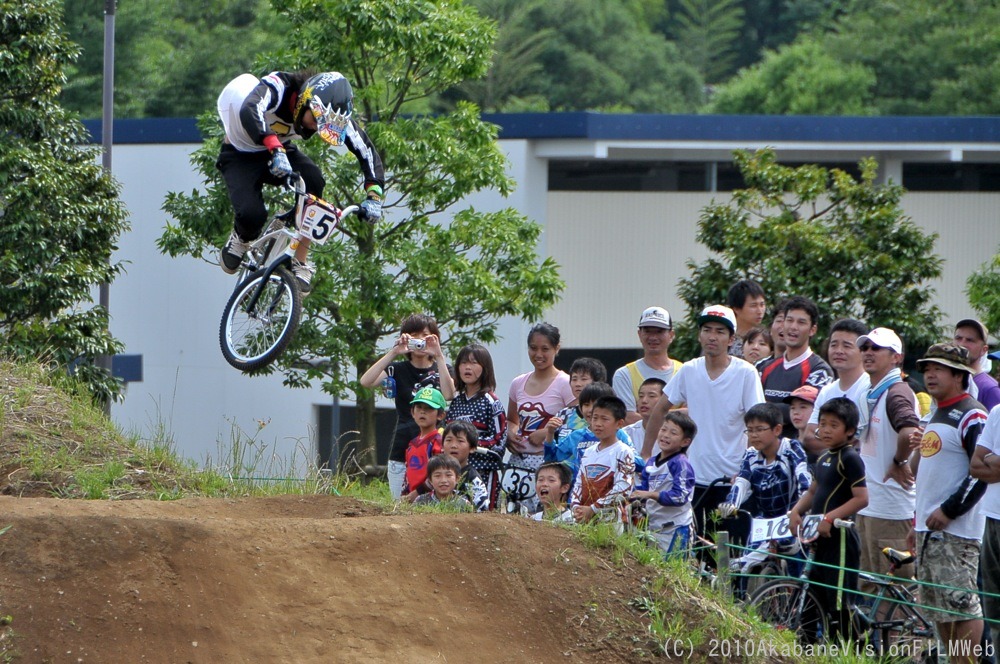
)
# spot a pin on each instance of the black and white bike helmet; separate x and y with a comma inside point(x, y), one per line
point(329, 97)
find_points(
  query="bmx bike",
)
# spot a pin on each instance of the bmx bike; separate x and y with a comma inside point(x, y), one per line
point(264, 310)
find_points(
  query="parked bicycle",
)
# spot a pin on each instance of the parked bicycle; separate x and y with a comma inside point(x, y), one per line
point(892, 625)
point(263, 312)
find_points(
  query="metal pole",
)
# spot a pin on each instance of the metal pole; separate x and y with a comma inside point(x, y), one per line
point(107, 119)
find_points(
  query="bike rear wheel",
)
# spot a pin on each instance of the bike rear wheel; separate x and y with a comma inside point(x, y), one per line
point(252, 339)
point(781, 603)
point(905, 635)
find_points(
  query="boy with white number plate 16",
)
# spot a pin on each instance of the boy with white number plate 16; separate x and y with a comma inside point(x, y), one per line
point(772, 478)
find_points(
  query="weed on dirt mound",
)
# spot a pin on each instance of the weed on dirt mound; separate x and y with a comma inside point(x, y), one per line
point(55, 442)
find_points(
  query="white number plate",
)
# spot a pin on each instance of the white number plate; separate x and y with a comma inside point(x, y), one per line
point(518, 483)
point(764, 530)
point(318, 222)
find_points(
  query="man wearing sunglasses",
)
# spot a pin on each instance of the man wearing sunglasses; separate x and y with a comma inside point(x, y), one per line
point(889, 416)
point(261, 117)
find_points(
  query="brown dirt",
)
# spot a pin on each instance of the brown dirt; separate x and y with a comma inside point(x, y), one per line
point(303, 579)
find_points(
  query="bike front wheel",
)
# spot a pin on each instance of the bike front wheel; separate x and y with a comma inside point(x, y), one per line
point(256, 329)
point(790, 604)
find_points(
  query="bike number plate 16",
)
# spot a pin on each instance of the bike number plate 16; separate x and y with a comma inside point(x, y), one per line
point(518, 483)
point(318, 222)
point(765, 530)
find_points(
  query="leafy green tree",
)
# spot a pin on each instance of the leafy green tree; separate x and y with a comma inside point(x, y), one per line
point(570, 55)
point(603, 58)
point(929, 57)
point(842, 242)
point(918, 58)
point(983, 289)
point(171, 56)
point(799, 79)
point(510, 84)
point(467, 272)
point(707, 33)
point(770, 24)
point(60, 215)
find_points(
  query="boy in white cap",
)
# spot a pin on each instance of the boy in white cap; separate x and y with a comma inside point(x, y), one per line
point(718, 389)
point(656, 333)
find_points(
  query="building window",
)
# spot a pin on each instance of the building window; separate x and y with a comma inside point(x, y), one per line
point(951, 177)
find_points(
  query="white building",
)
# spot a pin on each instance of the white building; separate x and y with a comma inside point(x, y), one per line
point(608, 189)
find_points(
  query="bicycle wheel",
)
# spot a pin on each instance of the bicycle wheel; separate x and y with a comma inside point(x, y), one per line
point(905, 635)
point(781, 603)
point(756, 578)
point(251, 340)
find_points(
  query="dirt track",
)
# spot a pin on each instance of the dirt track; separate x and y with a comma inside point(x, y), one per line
point(302, 579)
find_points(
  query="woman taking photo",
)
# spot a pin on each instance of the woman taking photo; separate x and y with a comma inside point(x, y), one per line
point(424, 366)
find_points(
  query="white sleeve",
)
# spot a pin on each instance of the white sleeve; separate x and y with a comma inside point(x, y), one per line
point(622, 384)
point(990, 437)
point(753, 393)
point(821, 399)
point(676, 389)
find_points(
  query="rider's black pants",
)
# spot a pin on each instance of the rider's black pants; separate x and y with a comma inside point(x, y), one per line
point(246, 173)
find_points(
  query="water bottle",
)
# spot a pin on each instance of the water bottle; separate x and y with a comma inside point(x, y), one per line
point(389, 387)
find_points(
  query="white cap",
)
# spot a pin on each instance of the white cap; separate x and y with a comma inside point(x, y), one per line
point(882, 337)
point(656, 317)
point(719, 314)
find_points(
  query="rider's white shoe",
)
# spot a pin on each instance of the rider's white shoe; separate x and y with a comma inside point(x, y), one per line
point(303, 273)
point(232, 254)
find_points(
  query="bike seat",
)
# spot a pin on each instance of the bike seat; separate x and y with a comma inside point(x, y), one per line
point(898, 558)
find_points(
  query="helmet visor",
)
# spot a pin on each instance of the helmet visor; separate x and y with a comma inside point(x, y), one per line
point(331, 126)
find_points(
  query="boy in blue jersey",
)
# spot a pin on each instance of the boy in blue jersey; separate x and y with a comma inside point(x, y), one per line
point(772, 478)
point(583, 372)
point(667, 485)
point(570, 447)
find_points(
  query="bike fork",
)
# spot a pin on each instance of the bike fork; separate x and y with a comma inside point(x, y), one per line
point(252, 304)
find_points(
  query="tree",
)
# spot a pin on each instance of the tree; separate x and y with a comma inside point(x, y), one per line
point(171, 56)
point(707, 33)
point(867, 60)
point(799, 79)
point(467, 272)
point(842, 242)
point(983, 289)
point(60, 212)
point(510, 83)
point(604, 58)
point(570, 55)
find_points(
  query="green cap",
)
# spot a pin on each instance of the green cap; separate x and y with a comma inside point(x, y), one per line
point(431, 397)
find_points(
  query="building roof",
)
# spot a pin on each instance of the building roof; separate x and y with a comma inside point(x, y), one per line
point(644, 136)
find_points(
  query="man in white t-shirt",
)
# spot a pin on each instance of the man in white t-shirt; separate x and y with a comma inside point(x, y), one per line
point(985, 466)
point(656, 333)
point(718, 390)
point(889, 408)
point(852, 382)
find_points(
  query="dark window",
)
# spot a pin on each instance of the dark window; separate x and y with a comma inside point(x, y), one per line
point(613, 358)
point(951, 177)
point(335, 449)
point(610, 175)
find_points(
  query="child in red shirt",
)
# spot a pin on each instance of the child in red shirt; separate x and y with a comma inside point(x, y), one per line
point(427, 408)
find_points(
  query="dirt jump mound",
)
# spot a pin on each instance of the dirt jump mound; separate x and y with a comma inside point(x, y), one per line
point(303, 579)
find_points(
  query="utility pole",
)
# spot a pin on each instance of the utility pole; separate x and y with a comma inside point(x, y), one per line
point(107, 119)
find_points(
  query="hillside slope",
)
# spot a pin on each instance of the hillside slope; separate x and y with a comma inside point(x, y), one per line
point(303, 579)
